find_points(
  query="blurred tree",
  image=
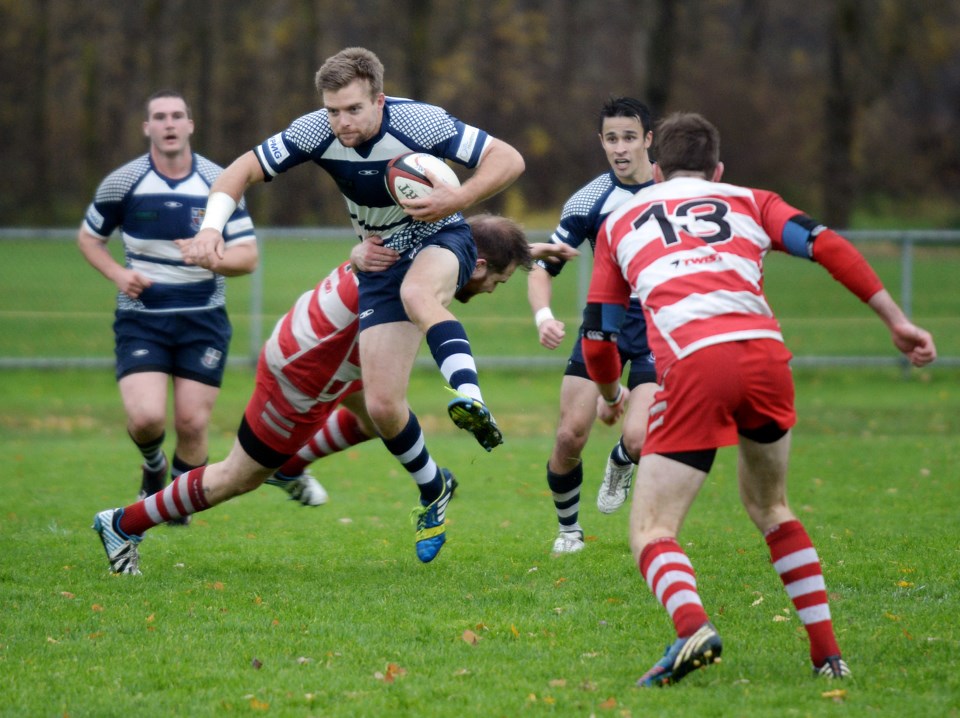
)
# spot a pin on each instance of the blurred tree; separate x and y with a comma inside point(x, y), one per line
point(835, 103)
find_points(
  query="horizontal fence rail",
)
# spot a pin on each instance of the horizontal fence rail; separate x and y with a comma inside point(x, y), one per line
point(907, 242)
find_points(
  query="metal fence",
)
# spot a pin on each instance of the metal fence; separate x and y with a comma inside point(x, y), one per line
point(907, 242)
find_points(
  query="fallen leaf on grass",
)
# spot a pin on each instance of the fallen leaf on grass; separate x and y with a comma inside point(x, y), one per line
point(256, 664)
point(259, 705)
point(216, 585)
point(891, 616)
point(557, 683)
point(609, 704)
point(837, 695)
point(96, 607)
point(392, 673)
point(904, 584)
point(150, 618)
point(462, 672)
point(303, 660)
point(67, 594)
point(470, 637)
point(514, 631)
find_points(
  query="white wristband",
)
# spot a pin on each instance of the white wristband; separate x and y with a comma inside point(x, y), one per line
point(542, 315)
point(616, 400)
point(220, 207)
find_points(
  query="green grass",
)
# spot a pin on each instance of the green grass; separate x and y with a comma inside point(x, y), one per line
point(264, 607)
point(819, 317)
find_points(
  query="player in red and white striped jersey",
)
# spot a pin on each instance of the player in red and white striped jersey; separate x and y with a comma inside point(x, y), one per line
point(691, 249)
point(308, 390)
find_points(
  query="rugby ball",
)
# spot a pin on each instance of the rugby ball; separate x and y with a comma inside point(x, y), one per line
point(407, 179)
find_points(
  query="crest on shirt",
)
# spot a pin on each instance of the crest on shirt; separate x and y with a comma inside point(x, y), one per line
point(211, 358)
point(196, 218)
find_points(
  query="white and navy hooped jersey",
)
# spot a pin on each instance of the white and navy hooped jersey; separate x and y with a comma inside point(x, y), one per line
point(407, 126)
point(151, 211)
point(584, 212)
point(313, 351)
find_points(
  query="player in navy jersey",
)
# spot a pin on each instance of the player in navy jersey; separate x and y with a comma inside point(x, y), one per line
point(692, 249)
point(411, 260)
point(170, 319)
point(625, 135)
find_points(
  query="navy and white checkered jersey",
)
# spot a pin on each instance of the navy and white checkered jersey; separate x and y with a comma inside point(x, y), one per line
point(151, 211)
point(407, 126)
point(585, 211)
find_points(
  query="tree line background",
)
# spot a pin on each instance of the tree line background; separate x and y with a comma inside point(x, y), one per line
point(849, 108)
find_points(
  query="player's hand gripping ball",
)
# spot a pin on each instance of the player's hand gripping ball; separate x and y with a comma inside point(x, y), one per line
point(407, 179)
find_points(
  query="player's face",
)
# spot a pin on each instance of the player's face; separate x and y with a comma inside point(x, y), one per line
point(626, 145)
point(168, 127)
point(483, 281)
point(354, 113)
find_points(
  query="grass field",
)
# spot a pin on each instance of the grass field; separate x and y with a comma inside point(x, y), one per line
point(818, 316)
point(264, 607)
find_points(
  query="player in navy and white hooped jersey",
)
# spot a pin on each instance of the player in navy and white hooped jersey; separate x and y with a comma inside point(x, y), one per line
point(411, 260)
point(170, 320)
point(692, 249)
point(625, 131)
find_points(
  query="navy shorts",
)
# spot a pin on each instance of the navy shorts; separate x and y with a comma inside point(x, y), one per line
point(380, 291)
point(191, 345)
point(633, 348)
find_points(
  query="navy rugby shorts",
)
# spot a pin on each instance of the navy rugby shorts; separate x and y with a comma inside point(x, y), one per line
point(632, 345)
point(380, 291)
point(192, 345)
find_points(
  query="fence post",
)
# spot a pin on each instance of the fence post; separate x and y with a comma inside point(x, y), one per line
point(256, 307)
point(906, 287)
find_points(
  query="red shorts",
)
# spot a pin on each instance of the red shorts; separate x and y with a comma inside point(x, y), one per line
point(276, 423)
point(706, 397)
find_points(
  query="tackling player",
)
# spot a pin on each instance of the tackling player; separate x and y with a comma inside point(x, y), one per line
point(307, 368)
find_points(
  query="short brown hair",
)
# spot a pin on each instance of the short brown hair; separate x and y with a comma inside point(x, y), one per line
point(500, 241)
point(686, 141)
point(352, 63)
point(167, 93)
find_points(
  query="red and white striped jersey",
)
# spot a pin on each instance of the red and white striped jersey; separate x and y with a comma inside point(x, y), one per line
point(692, 252)
point(313, 350)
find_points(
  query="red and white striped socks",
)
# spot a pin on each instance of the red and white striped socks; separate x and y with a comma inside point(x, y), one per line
point(183, 497)
point(796, 561)
point(341, 431)
point(670, 576)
